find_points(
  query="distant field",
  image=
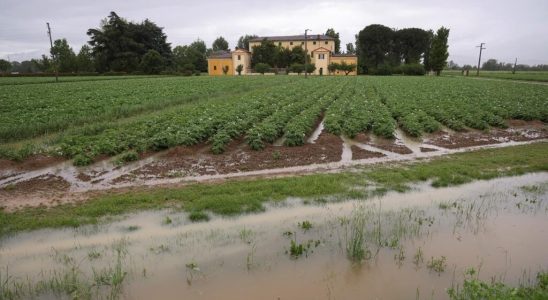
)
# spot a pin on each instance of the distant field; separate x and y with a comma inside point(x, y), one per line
point(540, 76)
point(94, 118)
point(49, 79)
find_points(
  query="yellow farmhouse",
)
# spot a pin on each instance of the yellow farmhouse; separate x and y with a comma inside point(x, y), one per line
point(320, 47)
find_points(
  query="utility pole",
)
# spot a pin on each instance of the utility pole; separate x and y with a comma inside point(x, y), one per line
point(515, 64)
point(479, 59)
point(52, 55)
point(305, 52)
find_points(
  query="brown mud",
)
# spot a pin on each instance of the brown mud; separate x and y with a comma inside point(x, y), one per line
point(31, 184)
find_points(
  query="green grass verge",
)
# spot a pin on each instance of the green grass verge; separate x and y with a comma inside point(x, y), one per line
point(243, 196)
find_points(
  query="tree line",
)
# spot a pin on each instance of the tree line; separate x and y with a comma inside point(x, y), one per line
point(121, 46)
point(383, 50)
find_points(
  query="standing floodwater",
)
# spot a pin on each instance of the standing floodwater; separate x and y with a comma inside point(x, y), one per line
point(396, 246)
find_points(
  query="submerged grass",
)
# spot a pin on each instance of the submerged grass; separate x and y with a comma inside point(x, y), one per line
point(244, 196)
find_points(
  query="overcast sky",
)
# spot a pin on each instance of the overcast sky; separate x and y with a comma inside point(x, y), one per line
point(509, 28)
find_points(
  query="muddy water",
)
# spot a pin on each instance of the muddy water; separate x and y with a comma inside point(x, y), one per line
point(495, 226)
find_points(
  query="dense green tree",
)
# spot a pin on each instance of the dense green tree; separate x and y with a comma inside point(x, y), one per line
point(438, 51)
point(374, 44)
point(331, 32)
point(411, 44)
point(297, 55)
point(152, 62)
point(64, 56)
point(220, 44)
point(243, 41)
point(350, 49)
point(264, 53)
point(5, 65)
point(119, 45)
point(84, 60)
point(199, 50)
point(426, 62)
point(194, 54)
point(283, 57)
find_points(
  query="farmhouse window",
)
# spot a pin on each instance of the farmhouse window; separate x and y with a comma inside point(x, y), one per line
point(215, 68)
point(290, 43)
point(302, 43)
point(239, 57)
point(314, 43)
point(321, 56)
point(326, 42)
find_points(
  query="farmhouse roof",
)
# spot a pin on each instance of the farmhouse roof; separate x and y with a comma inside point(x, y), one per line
point(312, 37)
point(220, 54)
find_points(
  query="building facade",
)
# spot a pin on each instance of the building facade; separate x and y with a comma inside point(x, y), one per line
point(321, 49)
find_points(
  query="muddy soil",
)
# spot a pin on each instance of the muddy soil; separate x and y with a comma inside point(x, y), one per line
point(32, 183)
point(239, 157)
point(359, 153)
point(517, 131)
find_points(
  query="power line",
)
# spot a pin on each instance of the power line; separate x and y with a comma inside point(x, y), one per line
point(53, 55)
point(479, 59)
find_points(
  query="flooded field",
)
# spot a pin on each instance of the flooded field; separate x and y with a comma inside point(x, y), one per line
point(22, 185)
point(408, 245)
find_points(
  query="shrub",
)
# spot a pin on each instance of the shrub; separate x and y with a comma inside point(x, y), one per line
point(128, 156)
point(382, 70)
point(413, 69)
point(297, 68)
point(198, 216)
point(81, 160)
point(262, 68)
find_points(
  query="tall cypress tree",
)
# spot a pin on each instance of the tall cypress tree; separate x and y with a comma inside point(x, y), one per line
point(438, 51)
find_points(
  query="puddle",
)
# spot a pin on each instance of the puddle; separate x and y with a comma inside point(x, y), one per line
point(495, 226)
point(314, 136)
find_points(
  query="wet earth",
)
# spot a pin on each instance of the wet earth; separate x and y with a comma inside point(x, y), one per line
point(49, 181)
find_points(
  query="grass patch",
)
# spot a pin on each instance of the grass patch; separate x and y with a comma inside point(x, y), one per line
point(473, 288)
point(245, 196)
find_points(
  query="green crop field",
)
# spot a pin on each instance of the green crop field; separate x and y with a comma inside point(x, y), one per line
point(87, 119)
point(539, 76)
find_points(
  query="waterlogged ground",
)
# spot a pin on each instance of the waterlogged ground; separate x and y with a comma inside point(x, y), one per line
point(30, 184)
point(396, 246)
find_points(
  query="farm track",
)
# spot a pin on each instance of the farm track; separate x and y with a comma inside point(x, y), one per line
point(324, 152)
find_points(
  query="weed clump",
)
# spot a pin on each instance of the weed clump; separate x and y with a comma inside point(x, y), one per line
point(198, 216)
point(437, 264)
point(81, 160)
point(127, 156)
point(355, 245)
point(305, 225)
